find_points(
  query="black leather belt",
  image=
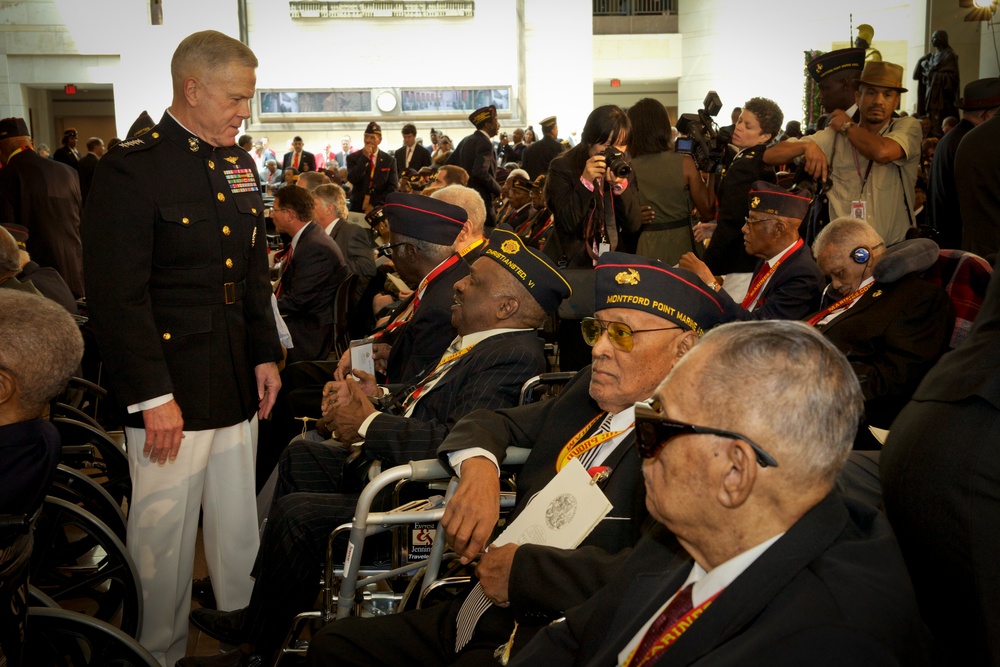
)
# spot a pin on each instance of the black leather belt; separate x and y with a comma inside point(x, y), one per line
point(663, 226)
point(228, 294)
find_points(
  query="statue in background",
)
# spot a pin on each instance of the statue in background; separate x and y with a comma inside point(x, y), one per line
point(864, 41)
point(937, 73)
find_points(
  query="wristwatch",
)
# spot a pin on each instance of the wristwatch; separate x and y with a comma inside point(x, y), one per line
point(714, 285)
point(845, 127)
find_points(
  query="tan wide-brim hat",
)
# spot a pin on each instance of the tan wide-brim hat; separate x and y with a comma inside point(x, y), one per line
point(884, 75)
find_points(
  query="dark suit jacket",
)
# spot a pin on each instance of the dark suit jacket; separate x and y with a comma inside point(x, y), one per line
point(475, 154)
point(726, 253)
point(88, 164)
point(569, 577)
point(539, 154)
point(792, 293)
point(892, 336)
point(306, 159)
point(66, 156)
point(356, 247)
point(421, 158)
point(978, 182)
point(832, 590)
point(48, 281)
point(572, 204)
point(419, 344)
point(30, 452)
point(44, 196)
point(938, 471)
point(164, 234)
point(358, 173)
point(308, 289)
point(489, 377)
point(942, 198)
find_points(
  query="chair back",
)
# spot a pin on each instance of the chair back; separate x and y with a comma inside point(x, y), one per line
point(965, 277)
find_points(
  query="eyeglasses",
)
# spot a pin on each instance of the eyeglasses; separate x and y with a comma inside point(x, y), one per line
point(386, 250)
point(653, 431)
point(757, 221)
point(620, 334)
point(280, 210)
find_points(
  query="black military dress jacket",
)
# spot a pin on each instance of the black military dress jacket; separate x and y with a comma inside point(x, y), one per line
point(175, 261)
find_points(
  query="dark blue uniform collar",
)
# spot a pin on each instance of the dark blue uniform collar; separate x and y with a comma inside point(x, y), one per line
point(170, 128)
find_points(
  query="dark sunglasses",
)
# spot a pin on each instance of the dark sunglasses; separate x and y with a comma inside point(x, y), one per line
point(653, 431)
point(386, 250)
point(621, 335)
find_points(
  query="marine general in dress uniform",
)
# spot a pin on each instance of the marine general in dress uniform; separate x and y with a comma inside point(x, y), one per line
point(175, 258)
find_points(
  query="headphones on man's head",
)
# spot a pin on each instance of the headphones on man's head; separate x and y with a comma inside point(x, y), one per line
point(863, 254)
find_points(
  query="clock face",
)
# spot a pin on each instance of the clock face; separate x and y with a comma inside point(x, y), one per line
point(386, 101)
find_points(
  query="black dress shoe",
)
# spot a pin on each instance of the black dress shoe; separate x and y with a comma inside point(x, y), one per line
point(202, 593)
point(242, 656)
point(226, 626)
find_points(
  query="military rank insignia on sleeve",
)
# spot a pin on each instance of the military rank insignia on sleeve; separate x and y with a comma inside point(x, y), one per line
point(241, 180)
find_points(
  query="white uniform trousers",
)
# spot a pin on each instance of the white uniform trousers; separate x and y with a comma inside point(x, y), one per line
point(214, 469)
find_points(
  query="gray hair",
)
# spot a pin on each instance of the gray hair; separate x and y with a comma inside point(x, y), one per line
point(466, 198)
point(208, 49)
point(333, 194)
point(432, 251)
point(10, 255)
point(784, 381)
point(40, 346)
point(846, 232)
point(311, 180)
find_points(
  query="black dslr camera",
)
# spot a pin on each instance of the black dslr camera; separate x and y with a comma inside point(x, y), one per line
point(707, 146)
point(615, 160)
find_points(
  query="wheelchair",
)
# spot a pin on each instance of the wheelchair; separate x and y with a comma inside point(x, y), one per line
point(46, 635)
point(355, 588)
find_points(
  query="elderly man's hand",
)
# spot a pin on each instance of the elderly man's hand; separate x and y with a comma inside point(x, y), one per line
point(369, 387)
point(703, 231)
point(343, 370)
point(691, 262)
point(493, 571)
point(474, 509)
point(346, 410)
point(380, 354)
point(164, 426)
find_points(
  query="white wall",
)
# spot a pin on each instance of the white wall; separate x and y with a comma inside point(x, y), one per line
point(743, 50)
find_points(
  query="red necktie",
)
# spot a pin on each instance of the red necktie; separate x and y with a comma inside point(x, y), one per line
point(295, 161)
point(675, 611)
point(284, 269)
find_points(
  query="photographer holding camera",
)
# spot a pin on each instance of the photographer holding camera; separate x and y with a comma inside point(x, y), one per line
point(589, 194)
point(759, 123)
point(595, 211)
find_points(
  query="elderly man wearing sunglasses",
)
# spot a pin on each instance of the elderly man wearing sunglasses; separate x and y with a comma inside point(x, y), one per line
point(776, 567)
point(648, 316)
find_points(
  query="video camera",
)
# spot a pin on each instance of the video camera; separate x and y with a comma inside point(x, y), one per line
point(707, 147)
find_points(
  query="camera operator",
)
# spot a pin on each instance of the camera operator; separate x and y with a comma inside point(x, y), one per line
point(758, 124)
point(595, 209)
point(667, 183)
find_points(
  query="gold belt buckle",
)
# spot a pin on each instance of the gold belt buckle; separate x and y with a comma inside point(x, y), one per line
point(230, 289)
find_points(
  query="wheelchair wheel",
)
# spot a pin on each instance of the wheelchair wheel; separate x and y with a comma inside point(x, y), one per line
point(97, 455)
point(75, 487)
point(80, 563)
point(67, 639)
